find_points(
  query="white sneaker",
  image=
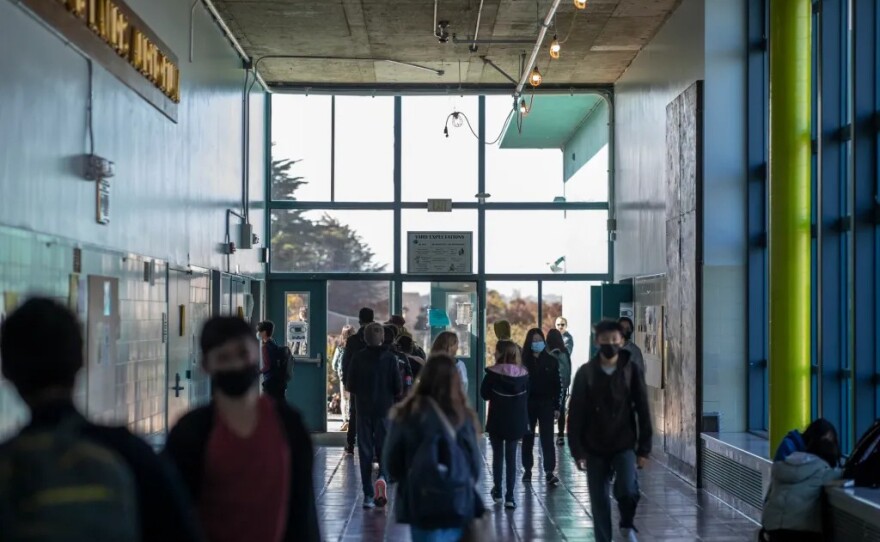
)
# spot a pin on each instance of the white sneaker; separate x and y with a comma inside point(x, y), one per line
point(628, 534)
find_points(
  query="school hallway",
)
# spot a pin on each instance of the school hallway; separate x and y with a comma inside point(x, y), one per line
point(671, 510)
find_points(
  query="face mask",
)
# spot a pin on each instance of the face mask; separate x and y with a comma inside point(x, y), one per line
point(538, 347)
point(628, 335)
point(235, 383)
point(609, 350)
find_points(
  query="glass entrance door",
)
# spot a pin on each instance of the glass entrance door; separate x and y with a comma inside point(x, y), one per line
point(431, 308)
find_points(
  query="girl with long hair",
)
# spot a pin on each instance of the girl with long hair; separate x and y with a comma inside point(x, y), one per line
point(556, 346)
point(339, 352)
point(446, 344)
point(434, 418)
point(545, 398)
point(506, 388)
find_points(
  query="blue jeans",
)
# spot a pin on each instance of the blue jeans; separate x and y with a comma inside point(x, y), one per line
point(435, 535)
point(600, 469)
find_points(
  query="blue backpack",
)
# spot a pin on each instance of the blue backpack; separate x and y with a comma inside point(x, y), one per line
point(441, 481)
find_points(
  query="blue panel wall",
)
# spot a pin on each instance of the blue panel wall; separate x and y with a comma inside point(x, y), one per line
point(173, 181)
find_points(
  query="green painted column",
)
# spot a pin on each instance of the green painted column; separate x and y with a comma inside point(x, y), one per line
point(789, 216)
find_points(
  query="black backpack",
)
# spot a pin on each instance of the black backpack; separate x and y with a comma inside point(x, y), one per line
point(283, 364)
point(440, 483)
point(863, 465)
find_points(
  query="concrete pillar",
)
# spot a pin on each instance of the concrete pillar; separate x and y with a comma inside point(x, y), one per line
point(789, 216)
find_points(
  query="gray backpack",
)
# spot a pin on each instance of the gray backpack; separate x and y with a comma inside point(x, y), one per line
point(56, 485)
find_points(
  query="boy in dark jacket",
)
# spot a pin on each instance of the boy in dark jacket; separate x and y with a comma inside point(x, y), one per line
point(610, 429)
point(374, 381)
point(274, 383)
point(545, 400)
point(246, 459)
point(506, 388)
point(353, 345)
point(44, 377)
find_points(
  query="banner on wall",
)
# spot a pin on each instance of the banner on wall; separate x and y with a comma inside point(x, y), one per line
point(439, 253)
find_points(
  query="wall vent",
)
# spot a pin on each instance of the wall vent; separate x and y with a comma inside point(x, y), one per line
point(732, 477)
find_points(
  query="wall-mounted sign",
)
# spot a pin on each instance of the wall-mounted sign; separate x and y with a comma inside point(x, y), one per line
point(113, 35)
point(102, 188)
point(439, 252)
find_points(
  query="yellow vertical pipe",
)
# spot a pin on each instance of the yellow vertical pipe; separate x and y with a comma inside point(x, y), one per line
point(789, 216)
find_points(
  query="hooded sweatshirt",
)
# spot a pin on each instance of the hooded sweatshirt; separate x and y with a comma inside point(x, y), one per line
point(506, 387)
point(794, 501)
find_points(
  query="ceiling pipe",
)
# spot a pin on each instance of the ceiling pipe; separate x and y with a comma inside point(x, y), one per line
point(473, 47)
point(209, 5)
point(508, 41)
point(351, 58)
point(434, 30)
point(538, 43)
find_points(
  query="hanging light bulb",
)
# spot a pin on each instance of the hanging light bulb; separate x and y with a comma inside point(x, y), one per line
point(580, 4)
point(523, 108)
point(555, 47)
point(535, 79)
point(457, 119)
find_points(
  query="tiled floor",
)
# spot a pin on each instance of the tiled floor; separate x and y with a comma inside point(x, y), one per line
point(670, 509)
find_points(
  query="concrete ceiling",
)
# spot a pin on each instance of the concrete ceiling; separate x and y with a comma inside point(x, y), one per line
point(602, 42)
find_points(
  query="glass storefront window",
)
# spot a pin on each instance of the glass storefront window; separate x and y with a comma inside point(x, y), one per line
point(516, 302)
point(364, 149)
point(301, 147)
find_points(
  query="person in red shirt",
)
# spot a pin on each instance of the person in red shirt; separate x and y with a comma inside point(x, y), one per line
point(246, 459)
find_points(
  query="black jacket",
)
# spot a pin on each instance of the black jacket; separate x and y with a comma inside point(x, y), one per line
point(375, 381)
point(545, 382)
point(186, 448)
point(271, 376)
point(165, 511)
point(506, 387)
point(607, 414)
point(404, 439)
point(353, 345)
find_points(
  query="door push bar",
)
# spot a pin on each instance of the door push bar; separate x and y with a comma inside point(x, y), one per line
point(317, 360)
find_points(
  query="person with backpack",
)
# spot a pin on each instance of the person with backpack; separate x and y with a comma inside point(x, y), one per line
point(545, 400)
point(506, 388)
point(793, 506)
point(245, 458)
point(148, 502)
point(403, 364)
point(609, 430)
point(446, 344)
point(407, 347)
point(558, 349)
point(275, 362)
point(353, 345)
point(374, 381)
point(432, 452)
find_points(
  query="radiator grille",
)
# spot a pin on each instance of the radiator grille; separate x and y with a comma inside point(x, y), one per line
point(849, 528)
point(733, 478)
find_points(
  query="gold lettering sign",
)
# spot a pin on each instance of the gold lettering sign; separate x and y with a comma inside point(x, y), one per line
point(109, 22)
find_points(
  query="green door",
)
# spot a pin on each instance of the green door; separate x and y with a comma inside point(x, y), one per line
point(297, 308)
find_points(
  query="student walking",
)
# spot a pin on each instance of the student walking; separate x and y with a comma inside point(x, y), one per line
point(344, 396)
point(374, 382)
point(635, 353)
point(793, 507)
point(432, 452)
point(272, 365)
point(353, 345)
point(562, 327)
point(246, 459)
point(556, 346)
point(610, 430)
point(545, 397)
point(506, 388)
point(149, 503)
point(446, 344)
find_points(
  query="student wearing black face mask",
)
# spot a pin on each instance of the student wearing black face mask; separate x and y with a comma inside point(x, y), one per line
point(635, 353)
point(242, 445)
point(609, 430)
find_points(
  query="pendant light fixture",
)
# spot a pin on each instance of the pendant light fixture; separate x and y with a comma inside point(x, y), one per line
point(580, 4)
point(523, 107)
point(535, 79)
point(555, 48)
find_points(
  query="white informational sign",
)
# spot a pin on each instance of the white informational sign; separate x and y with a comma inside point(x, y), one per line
point(440, 252)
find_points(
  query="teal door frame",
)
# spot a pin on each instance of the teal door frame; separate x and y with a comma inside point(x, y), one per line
point(307, 390)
